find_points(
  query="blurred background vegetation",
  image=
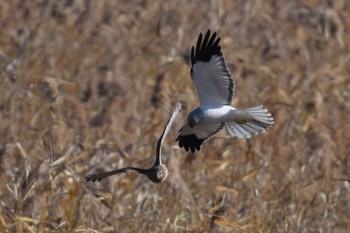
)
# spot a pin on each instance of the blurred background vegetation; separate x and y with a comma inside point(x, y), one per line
point(88, 86)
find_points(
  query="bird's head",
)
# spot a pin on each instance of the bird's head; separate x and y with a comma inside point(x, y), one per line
point(194, 118)
point(157, 173)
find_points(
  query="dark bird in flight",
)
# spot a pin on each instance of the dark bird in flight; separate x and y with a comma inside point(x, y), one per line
point(158, 172)
point(216, 88)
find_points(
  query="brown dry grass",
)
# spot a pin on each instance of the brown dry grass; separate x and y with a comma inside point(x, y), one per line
point(92, 89)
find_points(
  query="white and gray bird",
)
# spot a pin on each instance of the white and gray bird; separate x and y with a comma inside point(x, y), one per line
point(158, 172)
point(216, 88)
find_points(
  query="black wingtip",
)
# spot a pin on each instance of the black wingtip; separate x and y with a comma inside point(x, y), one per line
point(192, 55)
point(89, 178)
point(190, 142)
point(206, 39)
point(206, 48)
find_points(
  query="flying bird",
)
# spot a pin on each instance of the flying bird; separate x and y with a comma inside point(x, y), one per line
point(216, 88)
point(158, 172)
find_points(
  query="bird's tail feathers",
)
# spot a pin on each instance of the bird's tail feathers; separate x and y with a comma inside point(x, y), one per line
point(257, 121)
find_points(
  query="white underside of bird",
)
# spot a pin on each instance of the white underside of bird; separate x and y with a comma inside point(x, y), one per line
point(241, 123)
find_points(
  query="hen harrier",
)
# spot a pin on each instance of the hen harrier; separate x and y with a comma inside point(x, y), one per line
point(158, 172)
point(215, 86)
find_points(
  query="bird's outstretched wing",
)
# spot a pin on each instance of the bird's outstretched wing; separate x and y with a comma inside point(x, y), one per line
point(177, 109)
point(193, 138)
point(210, 75)
point(99, 176)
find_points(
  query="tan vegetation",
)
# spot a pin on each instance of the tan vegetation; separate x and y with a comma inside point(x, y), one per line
point(87, 86)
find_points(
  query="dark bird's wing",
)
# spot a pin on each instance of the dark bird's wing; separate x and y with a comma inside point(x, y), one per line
point(177, 109)
point(99, 176)
point(193, 138)
point(210, 75)
point(102, 175)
